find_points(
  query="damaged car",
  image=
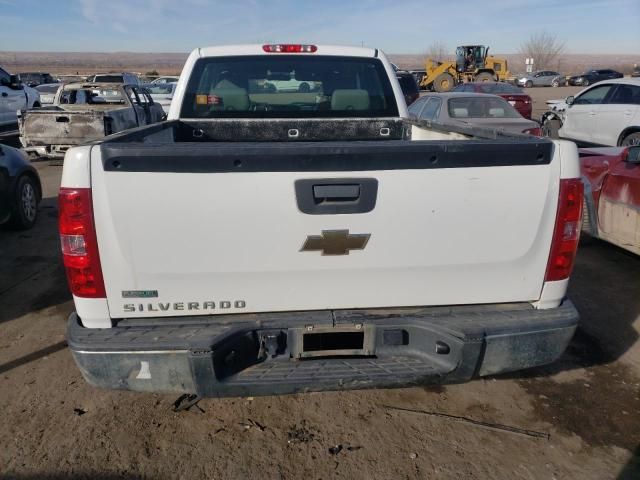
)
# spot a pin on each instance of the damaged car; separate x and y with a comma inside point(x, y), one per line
point(84, 112)
point(20, 189)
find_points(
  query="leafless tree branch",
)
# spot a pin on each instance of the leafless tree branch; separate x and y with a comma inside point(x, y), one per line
point(545, 48)
point(437, 51)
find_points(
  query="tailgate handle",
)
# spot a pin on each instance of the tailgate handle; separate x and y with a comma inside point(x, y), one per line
point(331, 196)
point(62, 119)
point(336, 193)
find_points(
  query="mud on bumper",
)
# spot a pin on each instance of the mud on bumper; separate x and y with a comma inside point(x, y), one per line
point(265, 354)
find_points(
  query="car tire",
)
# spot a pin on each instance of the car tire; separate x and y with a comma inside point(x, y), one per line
point(36, 105)
point(585, 83)
point(24, 211)
point(555, 83)
point(444, 83)
point(528, 84)
point(631, 139)
point(550, 128)
point(484, 77)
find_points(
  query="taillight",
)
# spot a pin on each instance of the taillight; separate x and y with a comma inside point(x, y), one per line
point(289, 48)
point(567, 230)
point(536, 131)
point(79, 243)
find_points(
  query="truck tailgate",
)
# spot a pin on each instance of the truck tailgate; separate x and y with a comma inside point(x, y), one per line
point(51, 127)
point(194, 229)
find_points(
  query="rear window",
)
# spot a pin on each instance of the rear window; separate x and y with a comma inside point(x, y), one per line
point(108, 79)
point(288, 86)
point(480, 107)
point(51, 88)
point(90, 96)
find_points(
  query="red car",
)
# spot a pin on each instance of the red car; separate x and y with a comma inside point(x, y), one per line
point(612, 195)
point(512, 94)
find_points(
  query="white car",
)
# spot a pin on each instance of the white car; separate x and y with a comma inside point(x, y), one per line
point(162, 93)
point(14, 96)
point(607, 113)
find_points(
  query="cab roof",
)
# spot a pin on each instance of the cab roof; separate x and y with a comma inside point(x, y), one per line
point(256, 49)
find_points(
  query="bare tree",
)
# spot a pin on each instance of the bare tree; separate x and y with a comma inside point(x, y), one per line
point(545, 48)
point(437, 51)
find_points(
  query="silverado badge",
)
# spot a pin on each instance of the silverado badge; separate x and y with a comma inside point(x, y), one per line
point(335, 242)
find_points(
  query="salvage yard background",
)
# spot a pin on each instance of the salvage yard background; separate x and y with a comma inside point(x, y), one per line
point(578, 418)
point(171, 63)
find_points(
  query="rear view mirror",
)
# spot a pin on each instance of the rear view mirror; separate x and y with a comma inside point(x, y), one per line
point(634, 155)
point(569, 100)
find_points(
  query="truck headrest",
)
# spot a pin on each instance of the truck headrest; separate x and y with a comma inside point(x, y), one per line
point(233, 99)
point(350, 99)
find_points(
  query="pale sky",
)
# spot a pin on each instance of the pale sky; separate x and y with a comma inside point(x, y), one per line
point(401, 26)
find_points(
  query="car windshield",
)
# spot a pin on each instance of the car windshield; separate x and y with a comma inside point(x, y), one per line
point(291, 86)
point(480, 107)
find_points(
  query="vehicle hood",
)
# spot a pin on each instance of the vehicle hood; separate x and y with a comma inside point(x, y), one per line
point(557, 105)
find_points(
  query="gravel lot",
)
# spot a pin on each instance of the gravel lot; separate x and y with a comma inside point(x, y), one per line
point(54, 425)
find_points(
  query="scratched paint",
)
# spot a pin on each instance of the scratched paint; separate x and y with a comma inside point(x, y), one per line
point(615, 189)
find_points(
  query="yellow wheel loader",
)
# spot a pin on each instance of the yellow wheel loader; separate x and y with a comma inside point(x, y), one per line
point(472, 64)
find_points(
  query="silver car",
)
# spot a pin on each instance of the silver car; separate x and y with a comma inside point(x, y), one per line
point(472, 109)
point(545, 78)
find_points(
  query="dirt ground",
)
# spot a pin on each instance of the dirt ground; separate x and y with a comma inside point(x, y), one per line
point(581, 414)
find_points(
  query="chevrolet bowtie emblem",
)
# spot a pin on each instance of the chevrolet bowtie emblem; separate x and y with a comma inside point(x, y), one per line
point(335, 242)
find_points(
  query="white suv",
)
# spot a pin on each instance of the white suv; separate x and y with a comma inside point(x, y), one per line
point(606, 113)
point(14, 96)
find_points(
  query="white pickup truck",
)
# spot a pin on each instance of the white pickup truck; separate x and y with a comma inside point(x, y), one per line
point(267, 241)
point(14, 97)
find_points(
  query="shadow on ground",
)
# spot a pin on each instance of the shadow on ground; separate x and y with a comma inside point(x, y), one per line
point(631, 470)
point(604, 288)
point(32, 277)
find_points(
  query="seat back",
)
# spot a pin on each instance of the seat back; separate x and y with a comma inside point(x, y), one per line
point(460, 112)
point(233, 99)
point(350, 99)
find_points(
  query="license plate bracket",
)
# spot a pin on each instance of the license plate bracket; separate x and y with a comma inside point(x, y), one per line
point(332, 341)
